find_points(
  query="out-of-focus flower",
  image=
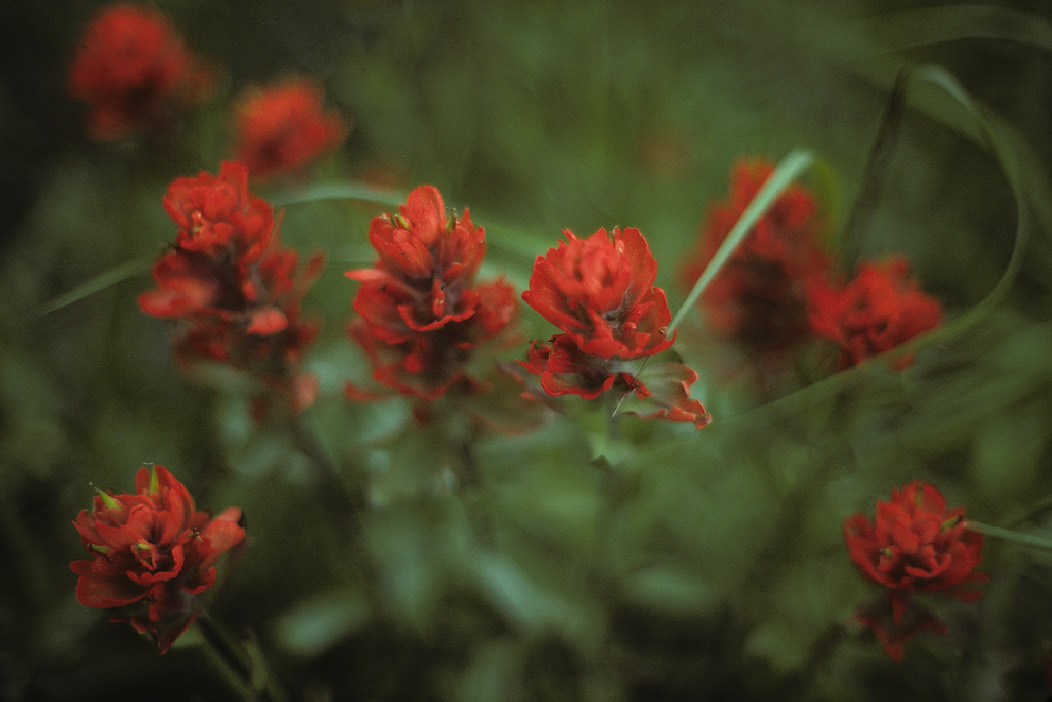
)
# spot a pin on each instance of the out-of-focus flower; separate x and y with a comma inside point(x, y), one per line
point(915, 545)
point(878, 310)
point(600, 292)
point(759, 299)
point(153, 554)
point(235, 291)
point(420, 313)
point(280, 128)
point(894, 621)
point(134, 72)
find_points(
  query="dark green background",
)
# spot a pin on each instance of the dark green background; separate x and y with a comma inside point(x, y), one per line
point(703, 565)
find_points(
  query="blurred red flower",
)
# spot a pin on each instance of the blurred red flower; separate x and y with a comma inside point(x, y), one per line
point(914, 545)
point(280, 128)
point(894, 621)
point(420, 312)
point(234, 289)
point(759, 299)
point(134, 71)
point(600, 292)
point(878, 310)
point(153, 554)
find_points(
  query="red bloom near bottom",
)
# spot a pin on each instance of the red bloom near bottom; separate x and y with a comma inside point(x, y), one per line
point(153, 554)
point(915, 545)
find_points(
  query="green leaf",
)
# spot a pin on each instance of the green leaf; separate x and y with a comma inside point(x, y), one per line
point(99, 283)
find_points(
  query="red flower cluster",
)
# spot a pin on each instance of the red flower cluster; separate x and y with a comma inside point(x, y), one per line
point(153, 554)
point(760, 297)
point(916, 544)
point(133, 70)
point(420, 312)
point(600, 292)
point(881, 308)
point(282, 127)
point(232, 285)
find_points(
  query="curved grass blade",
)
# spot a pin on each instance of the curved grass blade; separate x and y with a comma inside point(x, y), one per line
point(323, 192)
point(931, 25)
point(126, 270)
point(1015, 537)
point(510, 241)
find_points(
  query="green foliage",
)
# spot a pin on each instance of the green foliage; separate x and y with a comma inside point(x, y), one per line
point(581, 556)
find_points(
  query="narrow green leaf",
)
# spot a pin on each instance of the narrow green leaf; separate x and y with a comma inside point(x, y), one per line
point(322, 192)
point(784, 173)
point(98, 284)
point(1014, 537)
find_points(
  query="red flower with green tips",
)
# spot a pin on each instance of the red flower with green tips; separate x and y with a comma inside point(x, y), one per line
point(421, 314)
point(915, 545)
point(134, 71)
point(881, 308)
point(153, 554)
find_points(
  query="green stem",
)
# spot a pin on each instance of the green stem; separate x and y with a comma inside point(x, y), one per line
point(257, 682)
point(345, 503)
point(1011, 536)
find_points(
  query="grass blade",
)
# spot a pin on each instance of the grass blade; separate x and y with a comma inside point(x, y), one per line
point(99, 283)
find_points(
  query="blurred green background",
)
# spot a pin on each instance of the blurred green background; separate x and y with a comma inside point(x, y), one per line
point(681, 565)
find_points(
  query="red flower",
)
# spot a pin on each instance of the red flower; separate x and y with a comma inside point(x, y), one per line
point(282, 127)
point(420, 313)
point(133, 70)
point(878, 310)
point(599, 291)
point(153, 554)
point(234, 289)
point(218, 216)
point(915, 544)
point(759, 298)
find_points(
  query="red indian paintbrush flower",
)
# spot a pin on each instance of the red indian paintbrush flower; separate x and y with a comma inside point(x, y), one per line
point(915, 545)
point(878, 310)
point(421, 314)
point(133, 71)
point(232, 286)
point(600, 292)
point(760, 297)
point(281, 128)
point(153, 554)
